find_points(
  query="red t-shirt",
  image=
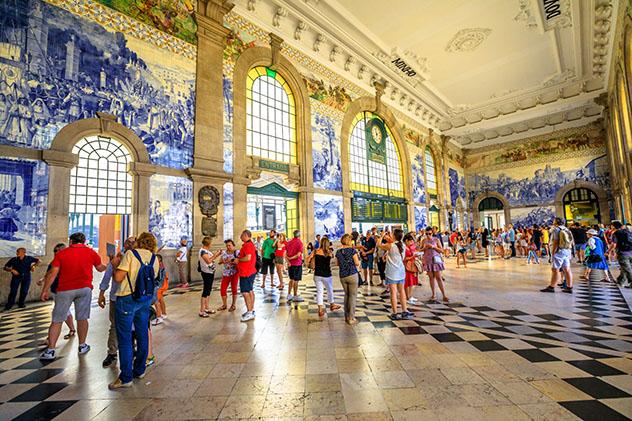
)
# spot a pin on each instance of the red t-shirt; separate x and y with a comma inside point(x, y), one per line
point(75, 265)
point(247, 268)
point(280, 250)
point(294, 247)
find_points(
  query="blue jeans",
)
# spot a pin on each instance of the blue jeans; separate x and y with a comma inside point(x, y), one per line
point(23, 285)
point(128, 313)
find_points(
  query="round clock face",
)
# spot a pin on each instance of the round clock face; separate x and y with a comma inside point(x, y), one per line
point(376, 134)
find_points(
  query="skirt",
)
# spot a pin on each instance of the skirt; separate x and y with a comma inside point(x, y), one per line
point(601, 265)
point(411, 279)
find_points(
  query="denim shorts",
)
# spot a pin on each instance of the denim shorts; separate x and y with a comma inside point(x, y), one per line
point(368, 263)
point(394, 282)
point(247, 283)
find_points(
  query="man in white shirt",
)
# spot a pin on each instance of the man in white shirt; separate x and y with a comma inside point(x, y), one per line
point(182, 260)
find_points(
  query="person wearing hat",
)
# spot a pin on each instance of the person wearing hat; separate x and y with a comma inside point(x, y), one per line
point(597, 256)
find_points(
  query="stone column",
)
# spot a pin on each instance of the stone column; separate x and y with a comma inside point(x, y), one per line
point(346, 208)
point(240, 206)
point(141, 175)
point(59, 166)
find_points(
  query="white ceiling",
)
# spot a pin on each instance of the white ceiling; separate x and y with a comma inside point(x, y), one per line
point(488, 71)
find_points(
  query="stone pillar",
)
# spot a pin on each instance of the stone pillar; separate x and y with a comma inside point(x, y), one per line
point(346, 208)
point(306, 213)
point(59, 166)
point(141, 175)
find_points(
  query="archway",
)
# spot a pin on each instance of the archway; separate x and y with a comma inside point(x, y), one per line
point(590, 202)
point(491, 205)
point(397, 210)
point(128, 165)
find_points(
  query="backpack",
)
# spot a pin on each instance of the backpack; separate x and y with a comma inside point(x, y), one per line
point(566, 238)
point(624, 239)
point(258, 263)
point(145, 278)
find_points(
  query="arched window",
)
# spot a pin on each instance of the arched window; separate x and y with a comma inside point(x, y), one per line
point(431, 175)
point(270, 116)
point(376, 169)
point(581, 205)
point(100, 183)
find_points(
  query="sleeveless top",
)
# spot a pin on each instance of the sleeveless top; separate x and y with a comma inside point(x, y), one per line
point(322, 265)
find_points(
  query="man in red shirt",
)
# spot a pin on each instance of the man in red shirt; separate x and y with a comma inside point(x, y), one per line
point(74, 266)
point(246, 268)
point(295, 271)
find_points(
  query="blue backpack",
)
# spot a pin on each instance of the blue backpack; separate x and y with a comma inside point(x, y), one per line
point(145, 278)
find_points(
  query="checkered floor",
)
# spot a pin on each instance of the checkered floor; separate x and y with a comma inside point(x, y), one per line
point(589, 349)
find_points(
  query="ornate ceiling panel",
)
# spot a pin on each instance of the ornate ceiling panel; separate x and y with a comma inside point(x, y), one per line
point(479, 72)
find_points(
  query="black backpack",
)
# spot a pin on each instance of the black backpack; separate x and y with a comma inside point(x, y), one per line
point(624, 239)
point(258, 263)
point(145, 278)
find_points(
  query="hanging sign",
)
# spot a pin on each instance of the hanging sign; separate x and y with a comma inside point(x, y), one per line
point(552, 9)
point(376, 140)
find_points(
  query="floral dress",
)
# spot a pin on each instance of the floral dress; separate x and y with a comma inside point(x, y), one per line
point(429, 264)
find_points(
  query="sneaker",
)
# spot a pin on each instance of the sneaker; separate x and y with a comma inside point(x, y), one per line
point(412, 301)
point(395, 316)
point(47, 355)
point(118, 384)
point(151, 360)
point(567, 290)
point(243, 314)
point(109, 360)
point(407, 315)
point(157, 321)
point(140, 376)
point(163, 317)
point(247, 317)
point(548, 289)
point(84, 349)
point(298, 299)
point(289, 298)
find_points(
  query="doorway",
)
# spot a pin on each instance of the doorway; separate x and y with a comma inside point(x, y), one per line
point(272, 207)
point(101, 192)
point(491, 213)
point(581, 205)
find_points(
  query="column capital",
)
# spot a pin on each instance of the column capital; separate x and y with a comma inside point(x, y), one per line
point(141, 169)
point(207, 176)
point(210, 20)
point(60, 159)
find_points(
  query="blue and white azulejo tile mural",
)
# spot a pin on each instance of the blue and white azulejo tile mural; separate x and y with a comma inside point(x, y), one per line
point(421, 218)
point(329, 218)
point(457, 186)
point(538, 184)
point(23, 205)
point(170, 214)
point(228, 211)
point(326, 153)
point(58, 67)
point(228, 123)
point(527, 217)
point(417, 169)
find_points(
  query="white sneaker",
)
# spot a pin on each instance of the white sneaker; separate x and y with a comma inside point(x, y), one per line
point(84, 349)
point(48, 355)
point(163, 317)
point(289, 298)
point(298, 299)
point(411, 301)
point(157, 321)
point(248, 316)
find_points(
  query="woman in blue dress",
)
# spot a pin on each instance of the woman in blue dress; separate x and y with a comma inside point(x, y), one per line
point(597, 256)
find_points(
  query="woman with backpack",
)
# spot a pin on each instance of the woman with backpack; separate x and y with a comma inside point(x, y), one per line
point(396, 273)
point(206, 267)
point(412, 272)
point(597, 257)
point(136, 274)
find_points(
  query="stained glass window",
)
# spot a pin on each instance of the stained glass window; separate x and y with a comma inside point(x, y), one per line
point(431, 177)
point(368, 175)
point(271, 116)
point(100, 183)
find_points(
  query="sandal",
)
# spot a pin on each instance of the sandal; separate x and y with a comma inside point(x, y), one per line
point(70, 334)
point(203, 314)
point(222, 308)
point(207, 311)
point(232, 308)
point(334, 307)
point(281, 287)
point(446, 300)
point(321, 312)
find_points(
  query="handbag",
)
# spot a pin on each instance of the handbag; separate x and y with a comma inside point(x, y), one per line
point(594, 258)
point(437, 260)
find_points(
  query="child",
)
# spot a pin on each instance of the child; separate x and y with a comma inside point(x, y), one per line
point(163, 285)
point(532, 253)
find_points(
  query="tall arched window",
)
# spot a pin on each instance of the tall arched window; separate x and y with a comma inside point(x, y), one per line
point(100, 183)
point(625, 112)
point(431, 174)
point(270, 116)
point(374, 172)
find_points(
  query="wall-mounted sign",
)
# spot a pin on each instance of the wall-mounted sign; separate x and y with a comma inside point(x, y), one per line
point(403, 67)
point(552, 9)
point(274, 166)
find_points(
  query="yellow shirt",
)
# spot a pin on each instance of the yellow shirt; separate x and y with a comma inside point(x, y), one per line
point(131, 265)
point(545, 236)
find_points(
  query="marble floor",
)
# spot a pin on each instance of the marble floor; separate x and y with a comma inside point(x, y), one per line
point(500, 350)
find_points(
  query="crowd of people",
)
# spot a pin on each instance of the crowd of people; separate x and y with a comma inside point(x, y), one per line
point(135, 279)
